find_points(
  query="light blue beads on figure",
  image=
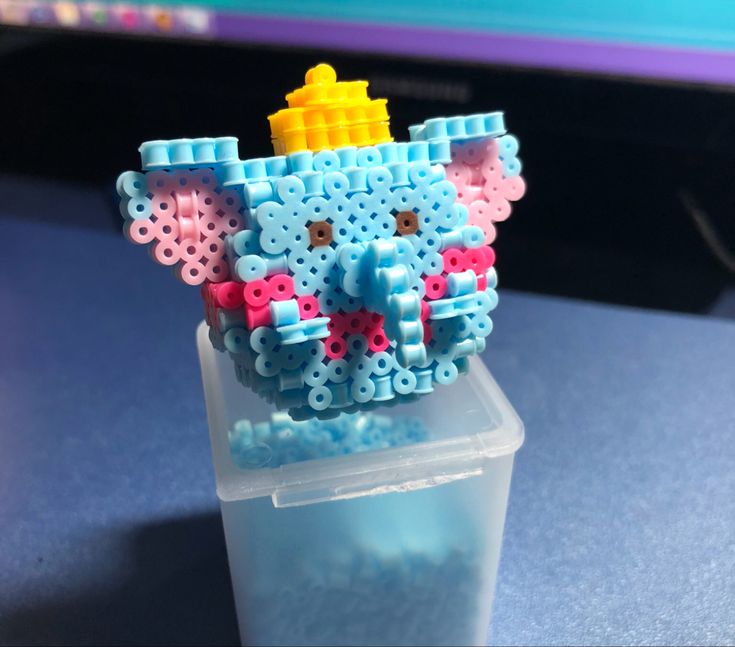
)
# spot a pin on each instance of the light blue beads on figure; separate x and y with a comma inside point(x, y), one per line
point(347, 269)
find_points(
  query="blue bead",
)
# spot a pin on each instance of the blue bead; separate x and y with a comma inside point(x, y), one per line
point(384, 225)
point(452, 307)
point(255, 169)
point(436, 129)
point(383, 388)
point(341, 395)
point(284, 313)
point(276, 166)
point(313, 350)
point(347, 156)
point(411, 354)
point(301, 161)
point(482, 326)
point(475, 125)
point(290, 189)
point(463, 348)
point(338, 370)
point(409, 332)
point(369, 156)
point(484, 302)
point(326, 160)
point(417, 151)
point(250, 267)
point(388, 152)
point(462, 327)
point(237, 340)
point(472, 236)
point(492, 278)
point(424, 381)
point(136, 208)
point(462, 215)
point(292, 357)
point(512, 167)
point(399, 173)
point(256, 193)
point(313, 182)
point(463, 365)
point(493, 298)
point(154, 154)
point(316, 374)
point(328, 303)
point(445, 193)
point(320, 397)
point(132, 185)
point(275, 264)
point(356, 345)
point(341, 229)
point(288, 380)
point(456, 127)
point(357, 177)
point(430, 242)
point(379, 179)
point(445, 372)
point(440, 152)
point(395, 280)
point(508, 146)
point(275, 240)
point(226, 149)
point(267, 366)
point(420, 173)
point(416, 132)
point(363, 389)
point(381, 363)
point(180, 152)
point(404, 381)
point(303, 330)
point(336, 184)
point(263, 339)
point(232, 174)
point(433, 264)
point(245, 242)
point(461, 283)
point(405, 199)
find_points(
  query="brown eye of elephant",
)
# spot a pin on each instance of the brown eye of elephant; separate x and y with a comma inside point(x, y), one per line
point(406, 223)
point(320, 233)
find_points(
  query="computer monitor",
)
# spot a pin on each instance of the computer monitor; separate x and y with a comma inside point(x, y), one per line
point(675, 40)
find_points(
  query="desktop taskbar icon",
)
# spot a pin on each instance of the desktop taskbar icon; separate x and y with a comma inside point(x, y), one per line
point(130, 18)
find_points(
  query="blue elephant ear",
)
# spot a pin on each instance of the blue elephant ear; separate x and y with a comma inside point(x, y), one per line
point(459, 128)
point(180, 209)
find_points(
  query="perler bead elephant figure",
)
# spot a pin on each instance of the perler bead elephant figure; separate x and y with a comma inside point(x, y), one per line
point(348, 270)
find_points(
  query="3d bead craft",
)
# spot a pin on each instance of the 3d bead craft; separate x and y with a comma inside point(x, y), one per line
point(348, 270)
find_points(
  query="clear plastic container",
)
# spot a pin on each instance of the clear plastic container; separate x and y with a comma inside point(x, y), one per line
point(397, 546)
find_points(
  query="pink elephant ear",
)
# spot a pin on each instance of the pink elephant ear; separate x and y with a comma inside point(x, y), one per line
point(183, 216)
point(486, 173)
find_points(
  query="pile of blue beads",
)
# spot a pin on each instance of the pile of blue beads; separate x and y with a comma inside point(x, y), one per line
point(282, 440)
point(415, 598)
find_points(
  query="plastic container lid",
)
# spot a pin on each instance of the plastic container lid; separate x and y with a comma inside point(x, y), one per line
point(470, 422)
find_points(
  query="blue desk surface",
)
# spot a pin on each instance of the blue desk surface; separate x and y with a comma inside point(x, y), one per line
point(621, 524)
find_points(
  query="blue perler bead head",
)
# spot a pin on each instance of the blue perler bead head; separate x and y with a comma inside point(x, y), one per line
point(347, 271)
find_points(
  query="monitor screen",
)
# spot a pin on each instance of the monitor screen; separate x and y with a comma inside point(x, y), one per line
point(663, 39)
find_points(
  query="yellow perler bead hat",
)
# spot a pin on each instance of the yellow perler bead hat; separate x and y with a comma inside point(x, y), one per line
point(327, 114)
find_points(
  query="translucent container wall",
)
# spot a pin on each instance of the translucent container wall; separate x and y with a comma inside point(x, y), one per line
point(396, 546)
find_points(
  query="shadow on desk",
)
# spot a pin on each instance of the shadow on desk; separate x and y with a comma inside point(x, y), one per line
point(177, 592)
